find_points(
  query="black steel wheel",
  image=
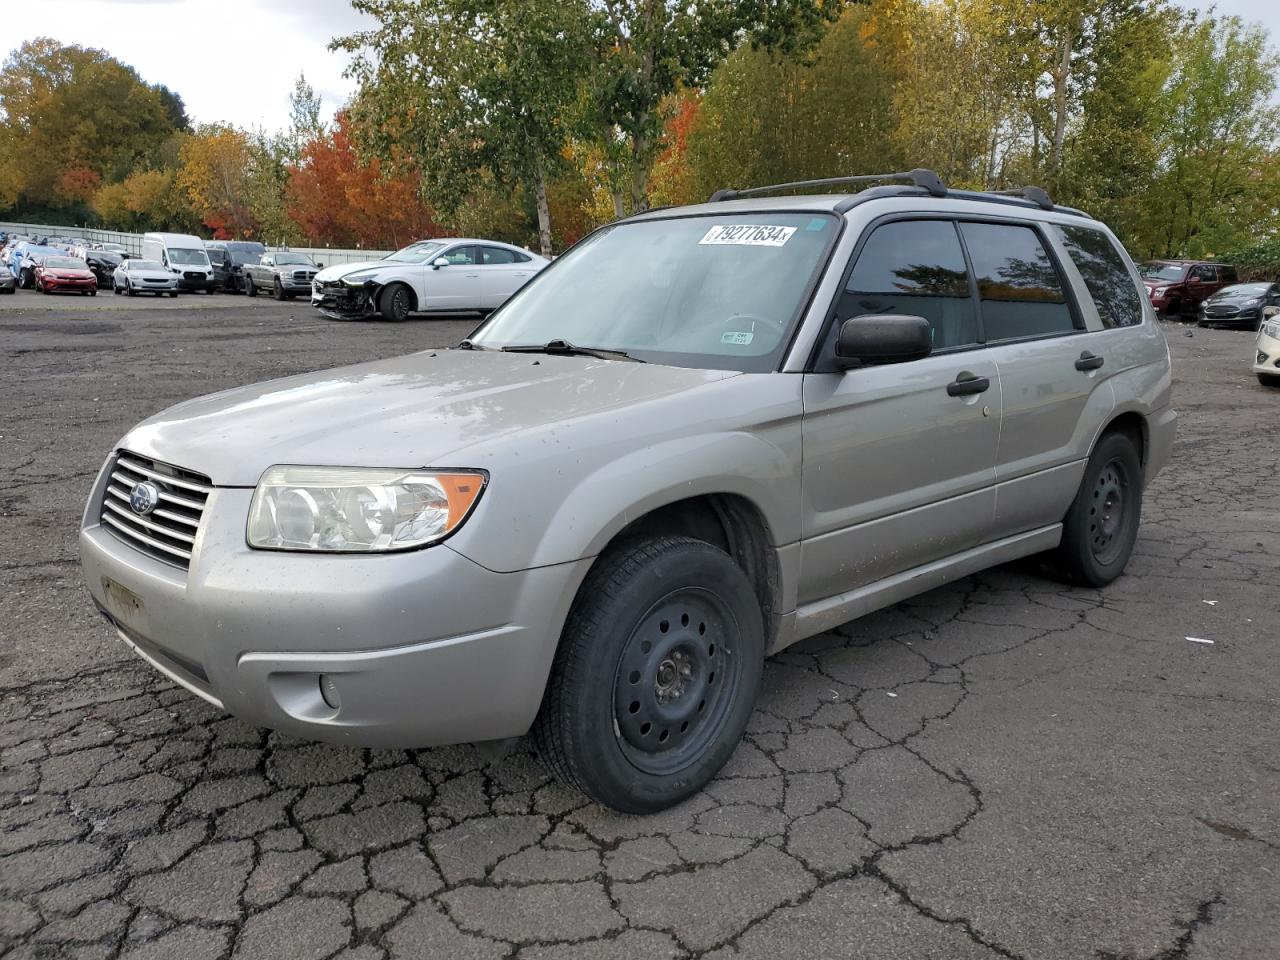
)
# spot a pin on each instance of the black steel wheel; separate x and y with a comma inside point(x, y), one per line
point(277, 290)
point(655, 676)
point(676, 680)
point(1100, 529)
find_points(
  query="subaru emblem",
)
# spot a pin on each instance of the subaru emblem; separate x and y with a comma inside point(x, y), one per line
point(143, 498)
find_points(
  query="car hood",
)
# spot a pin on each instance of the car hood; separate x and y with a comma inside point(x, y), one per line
point(415, 411)
point(340, 270)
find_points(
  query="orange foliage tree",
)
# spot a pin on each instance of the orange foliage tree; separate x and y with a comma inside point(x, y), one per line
point(336, 198)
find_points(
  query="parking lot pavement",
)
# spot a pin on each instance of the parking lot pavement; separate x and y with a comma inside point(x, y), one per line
point(1001, 768)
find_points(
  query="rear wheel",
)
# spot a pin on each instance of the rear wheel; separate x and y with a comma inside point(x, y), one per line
point(395, 303)
point(1101, 527)
point(656, 674)
point(249, 289)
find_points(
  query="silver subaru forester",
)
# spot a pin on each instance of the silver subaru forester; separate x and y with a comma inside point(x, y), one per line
point(701, 435)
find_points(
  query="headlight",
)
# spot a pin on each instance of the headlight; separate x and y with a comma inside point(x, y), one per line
point(1252, 303)
point(1159, 291)
point(1272, 329)
point(354, 510)
point(356, 279)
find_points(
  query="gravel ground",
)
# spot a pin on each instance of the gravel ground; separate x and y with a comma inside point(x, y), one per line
point(1001, 768)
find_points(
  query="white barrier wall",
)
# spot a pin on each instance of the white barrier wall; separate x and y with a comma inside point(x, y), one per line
point(133, 242)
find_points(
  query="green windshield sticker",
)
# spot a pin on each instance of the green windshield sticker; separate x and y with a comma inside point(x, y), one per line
point(817, 223)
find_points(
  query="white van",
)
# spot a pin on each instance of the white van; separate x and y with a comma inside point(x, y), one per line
point(184, 256)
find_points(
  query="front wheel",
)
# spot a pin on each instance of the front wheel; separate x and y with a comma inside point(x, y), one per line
point(1269, 379)
point(394, 303)
point(249, 289)
point(1101, 527)
point(277, 291)
point(656, 674)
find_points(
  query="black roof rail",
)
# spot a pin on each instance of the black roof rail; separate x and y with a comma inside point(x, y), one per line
point(1037, 195)
point(926, 179)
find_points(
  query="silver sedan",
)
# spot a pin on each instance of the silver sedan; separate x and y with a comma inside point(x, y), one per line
point(143, 276)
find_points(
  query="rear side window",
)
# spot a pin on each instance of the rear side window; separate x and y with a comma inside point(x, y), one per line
point(915, 268)
point(1105, 275)
point(1019, 287)
point(494, 256)
point(1228, 275)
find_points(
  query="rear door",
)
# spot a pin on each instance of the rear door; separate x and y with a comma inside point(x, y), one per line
point(1052, 370)
point(501, 274)
point(899, 460)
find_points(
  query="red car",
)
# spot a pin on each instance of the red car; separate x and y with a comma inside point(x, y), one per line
point(65, 273)
point(1178, 287)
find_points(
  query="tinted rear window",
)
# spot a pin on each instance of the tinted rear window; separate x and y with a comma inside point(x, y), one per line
point(1105, 274)
point(1018, 284)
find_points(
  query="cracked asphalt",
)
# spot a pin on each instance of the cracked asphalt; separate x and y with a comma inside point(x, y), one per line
point(1005, 767)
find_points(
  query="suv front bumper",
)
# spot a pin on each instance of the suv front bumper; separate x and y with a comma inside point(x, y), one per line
point(403, 650)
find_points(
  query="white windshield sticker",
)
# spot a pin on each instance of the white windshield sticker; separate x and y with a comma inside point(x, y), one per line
point(748, 235)
point(740, 339)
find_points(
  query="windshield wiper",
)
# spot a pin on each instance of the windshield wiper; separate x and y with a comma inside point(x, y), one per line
point(564, 348)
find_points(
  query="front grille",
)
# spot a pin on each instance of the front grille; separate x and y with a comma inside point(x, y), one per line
point(1216, 310)
point(303, 276)
point(193, 275)
point(168, 533)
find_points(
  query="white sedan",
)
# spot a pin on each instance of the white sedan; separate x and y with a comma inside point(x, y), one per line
point(430, 276)
point(143, 276)
point(1266, 362)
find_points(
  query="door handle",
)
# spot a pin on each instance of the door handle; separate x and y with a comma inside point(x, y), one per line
point(966, 384)
point(1088, 361)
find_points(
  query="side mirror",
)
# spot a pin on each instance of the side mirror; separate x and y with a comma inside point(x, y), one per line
point(439, 262)
point(878, 339)
point(319, 266)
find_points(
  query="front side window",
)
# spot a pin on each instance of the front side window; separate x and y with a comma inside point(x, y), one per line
point(1105, 275)
point(461, 256)
point(914, 268)
point(1019, 289)
point(719, 291)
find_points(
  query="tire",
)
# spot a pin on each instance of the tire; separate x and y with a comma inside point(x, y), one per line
point(115, 289)
point(1269, 379)
point(656, 674)
point(93, 293)
point(172, 293)
point(249, 289)
point(277, 291)
point(26, 279)
point(1101, 527)
point(128, 288)
point(394, 303)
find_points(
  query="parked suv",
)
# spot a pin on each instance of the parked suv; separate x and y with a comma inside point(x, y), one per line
point(701, 435)
point(1178, 287)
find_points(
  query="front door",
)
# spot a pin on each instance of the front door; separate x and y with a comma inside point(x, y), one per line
point(456, 286)
point(899, 460)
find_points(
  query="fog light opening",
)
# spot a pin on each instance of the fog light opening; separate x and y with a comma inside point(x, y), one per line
point(329, 691)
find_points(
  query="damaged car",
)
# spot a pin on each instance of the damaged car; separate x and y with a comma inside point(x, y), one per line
point(430, 276)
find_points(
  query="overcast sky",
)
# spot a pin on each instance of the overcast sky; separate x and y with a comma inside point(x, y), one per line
point(235, 60)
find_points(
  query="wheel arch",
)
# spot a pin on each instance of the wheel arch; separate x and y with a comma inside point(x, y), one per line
point(394, 282)
point(1132, 424)
point(729, 521)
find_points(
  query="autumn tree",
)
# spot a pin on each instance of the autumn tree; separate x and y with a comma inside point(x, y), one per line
point(71, 118)
point(336, 197)
point(216, 161)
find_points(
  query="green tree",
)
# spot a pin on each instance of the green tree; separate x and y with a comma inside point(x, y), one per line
point(1217, 184)
point(767, 117)
point(646, 51)
point(465, 85)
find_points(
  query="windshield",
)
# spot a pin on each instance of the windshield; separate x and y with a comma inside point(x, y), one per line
point(283, 258)
point(143, 265)
point(64, 263)
point(419, 252)
point(1163, 271)
point(185, 255)
point(719, 292)
point(1244, 290)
